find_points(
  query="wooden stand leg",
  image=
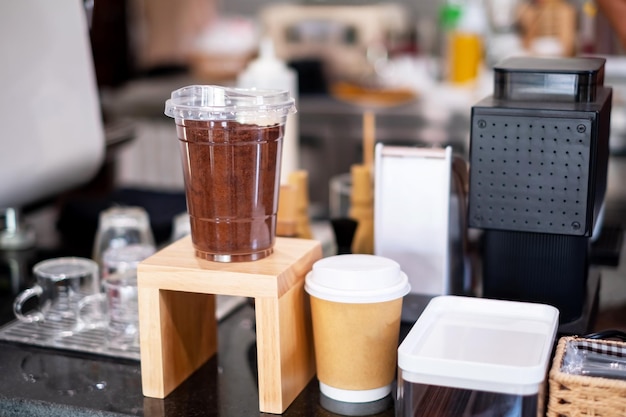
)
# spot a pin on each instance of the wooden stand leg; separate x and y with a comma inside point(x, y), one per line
point(182, 339)
point(284, 348)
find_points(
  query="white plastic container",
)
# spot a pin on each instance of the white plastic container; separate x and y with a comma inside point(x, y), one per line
point(475, 357)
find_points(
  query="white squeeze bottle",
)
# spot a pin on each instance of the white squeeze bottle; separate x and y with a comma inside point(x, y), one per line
point(269, 72)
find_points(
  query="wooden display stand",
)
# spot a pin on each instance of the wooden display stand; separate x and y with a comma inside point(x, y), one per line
point(178, 328)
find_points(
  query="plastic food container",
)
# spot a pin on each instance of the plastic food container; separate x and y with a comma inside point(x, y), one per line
point(476, 357)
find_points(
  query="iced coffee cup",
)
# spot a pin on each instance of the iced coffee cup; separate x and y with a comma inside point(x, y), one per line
point(231, 145)
point(356, 304)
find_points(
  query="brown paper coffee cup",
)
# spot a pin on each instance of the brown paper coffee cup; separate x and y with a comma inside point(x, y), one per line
point(356, 344)
point(356, 305)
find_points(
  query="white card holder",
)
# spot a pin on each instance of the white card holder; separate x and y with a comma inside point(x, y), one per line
point(419, 219)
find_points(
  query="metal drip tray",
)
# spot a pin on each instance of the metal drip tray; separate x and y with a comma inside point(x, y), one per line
point(93, 340)
point(90, 340)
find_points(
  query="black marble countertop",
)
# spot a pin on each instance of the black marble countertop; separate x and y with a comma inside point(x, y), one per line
point(37, 381)
point(47, 382)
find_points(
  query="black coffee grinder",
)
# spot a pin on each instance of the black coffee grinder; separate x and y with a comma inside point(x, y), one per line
point(538, 169)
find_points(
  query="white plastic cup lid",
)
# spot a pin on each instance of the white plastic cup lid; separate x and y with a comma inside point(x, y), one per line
point(244, 105)
point(357, 279)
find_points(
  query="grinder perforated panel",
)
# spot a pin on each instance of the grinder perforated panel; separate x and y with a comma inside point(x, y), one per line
point(530, 174)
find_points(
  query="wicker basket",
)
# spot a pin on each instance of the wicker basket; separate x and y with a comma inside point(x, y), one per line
point(577, 395)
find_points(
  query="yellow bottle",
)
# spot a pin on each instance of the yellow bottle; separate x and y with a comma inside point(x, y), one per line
point(465, 44)
point(466, 56)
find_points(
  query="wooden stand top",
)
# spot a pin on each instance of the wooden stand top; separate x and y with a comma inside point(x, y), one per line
point(176, 268)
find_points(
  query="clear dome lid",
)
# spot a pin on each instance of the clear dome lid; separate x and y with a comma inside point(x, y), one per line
point(244, 105)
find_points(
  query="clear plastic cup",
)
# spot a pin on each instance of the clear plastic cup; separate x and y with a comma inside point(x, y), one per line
point(231, 147)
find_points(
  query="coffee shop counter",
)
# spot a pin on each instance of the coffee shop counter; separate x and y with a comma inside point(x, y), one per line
point(36, 381)
point(47, 382)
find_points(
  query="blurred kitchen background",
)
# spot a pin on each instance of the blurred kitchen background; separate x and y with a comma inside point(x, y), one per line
point(394, 60)
point(351, 56)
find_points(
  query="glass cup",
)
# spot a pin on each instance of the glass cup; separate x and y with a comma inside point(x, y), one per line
point(60, 284)
point(117, 260)
point(356, 304)
point(117, 309)
point(121, 226)
point(231, 146)
point(180, 226)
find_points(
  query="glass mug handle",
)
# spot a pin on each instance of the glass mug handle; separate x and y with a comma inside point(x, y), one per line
point(18, 304)
point(92, 310)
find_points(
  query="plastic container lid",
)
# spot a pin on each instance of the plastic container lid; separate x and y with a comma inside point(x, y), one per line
point(480, 344)
point(211, 102)
point(357, 279)
point(449, 15)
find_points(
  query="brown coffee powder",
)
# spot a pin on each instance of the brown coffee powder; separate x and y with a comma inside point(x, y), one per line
point(232, 178)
